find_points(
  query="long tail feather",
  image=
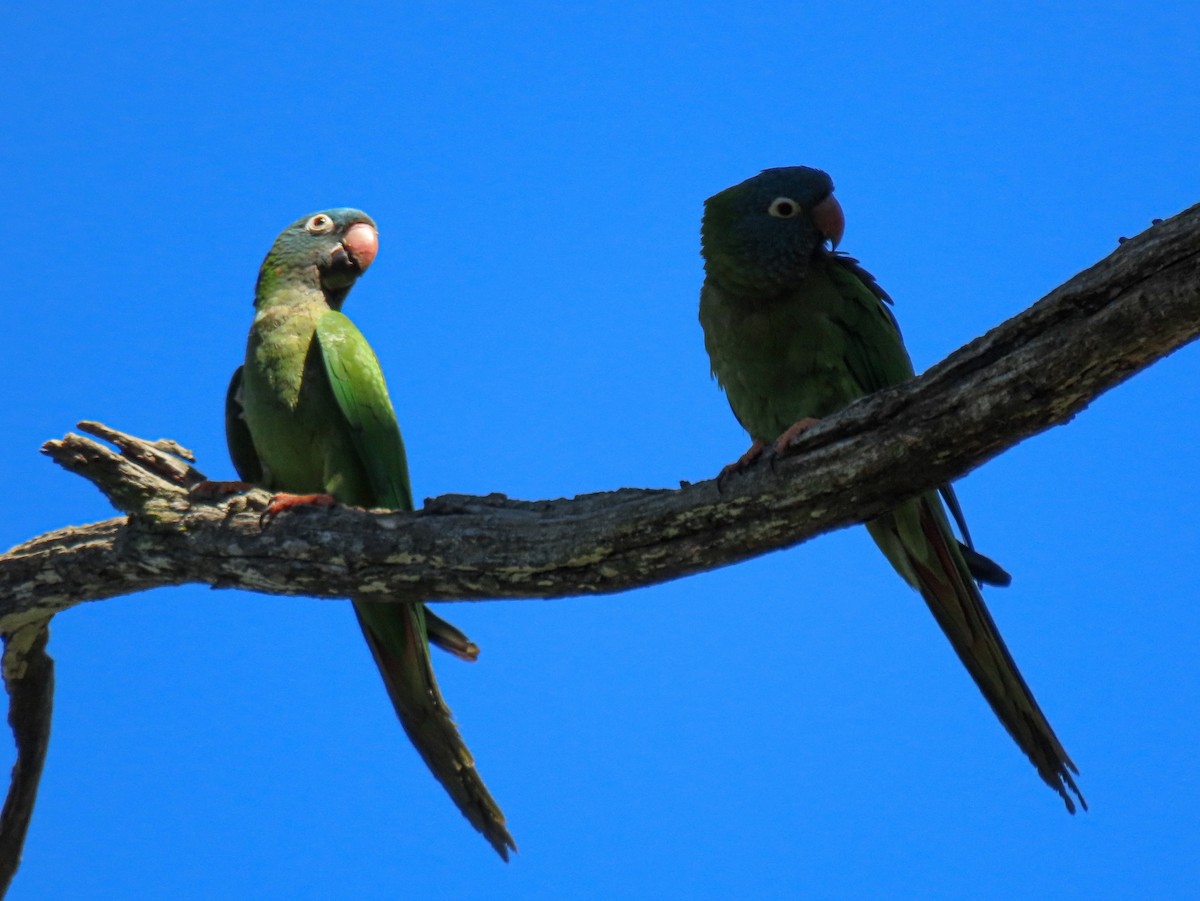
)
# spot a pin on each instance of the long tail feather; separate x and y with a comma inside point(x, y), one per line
point(916, 539)
point(396, 634)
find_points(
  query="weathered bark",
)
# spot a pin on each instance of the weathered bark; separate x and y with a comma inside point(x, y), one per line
point(29, 681)
point(1032, 372)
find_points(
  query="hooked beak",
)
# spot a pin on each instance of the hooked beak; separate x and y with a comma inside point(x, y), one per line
point(829, 220)
point(358, 247)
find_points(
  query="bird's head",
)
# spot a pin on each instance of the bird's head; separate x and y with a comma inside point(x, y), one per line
point(331, 248)
point(761, 234)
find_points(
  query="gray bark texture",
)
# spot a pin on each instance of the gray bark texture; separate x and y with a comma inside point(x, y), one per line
point(1032, 372)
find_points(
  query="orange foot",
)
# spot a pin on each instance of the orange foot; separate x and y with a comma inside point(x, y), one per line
point(212, 491)
point(281, 502)
point(753, 453)
point(783, 441)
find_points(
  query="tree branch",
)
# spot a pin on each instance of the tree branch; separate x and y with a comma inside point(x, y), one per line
point(1034, 371)
point(29, 680)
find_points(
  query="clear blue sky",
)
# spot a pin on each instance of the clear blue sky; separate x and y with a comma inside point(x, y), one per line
point(792, 727)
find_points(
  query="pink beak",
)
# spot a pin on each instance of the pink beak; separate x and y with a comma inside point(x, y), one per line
point(829, 219)
point(361, 243)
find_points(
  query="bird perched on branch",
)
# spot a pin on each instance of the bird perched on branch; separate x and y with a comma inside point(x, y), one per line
point(308, 413)
point(795, 331)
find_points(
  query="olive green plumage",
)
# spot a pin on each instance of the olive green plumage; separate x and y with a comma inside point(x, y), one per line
point(309, 413)
point(794, 331)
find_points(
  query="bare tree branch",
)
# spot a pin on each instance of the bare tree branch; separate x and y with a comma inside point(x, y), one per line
point(1034, 371)
point(29, 680)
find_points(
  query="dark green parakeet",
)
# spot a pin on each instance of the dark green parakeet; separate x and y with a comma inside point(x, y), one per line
point(308, 413)
point(795, 332)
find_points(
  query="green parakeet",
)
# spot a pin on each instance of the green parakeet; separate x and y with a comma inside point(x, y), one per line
point(796, 331)
point(308, 414)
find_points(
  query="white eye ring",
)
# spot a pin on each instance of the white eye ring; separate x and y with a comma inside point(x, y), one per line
point(319, 224)
point(784, 208)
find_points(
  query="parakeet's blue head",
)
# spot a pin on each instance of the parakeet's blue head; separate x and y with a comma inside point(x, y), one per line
point(329, 250)
point(761, 234)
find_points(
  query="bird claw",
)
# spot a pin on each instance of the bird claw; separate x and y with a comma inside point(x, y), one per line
point(780, 447)
point(281, 502)
point(783, 444)
point(752, 453)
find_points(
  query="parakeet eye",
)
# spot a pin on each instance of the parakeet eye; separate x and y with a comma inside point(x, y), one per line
point(783, 208)
point(319, 224)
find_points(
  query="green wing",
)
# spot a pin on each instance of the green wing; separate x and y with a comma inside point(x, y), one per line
point(237, 434)
point(398, 634)
point(874, 350)
point(362, 398)
point(917, 540)
point(877, 359)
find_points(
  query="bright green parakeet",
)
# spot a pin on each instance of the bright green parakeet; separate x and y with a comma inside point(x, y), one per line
point(309, 414)
point(794, 332)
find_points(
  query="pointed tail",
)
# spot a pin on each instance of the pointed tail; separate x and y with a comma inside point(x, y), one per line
point(916, 539)
point(396, 634)
point(448, 637)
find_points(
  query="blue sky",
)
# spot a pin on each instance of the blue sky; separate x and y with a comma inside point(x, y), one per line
point(794, 726)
